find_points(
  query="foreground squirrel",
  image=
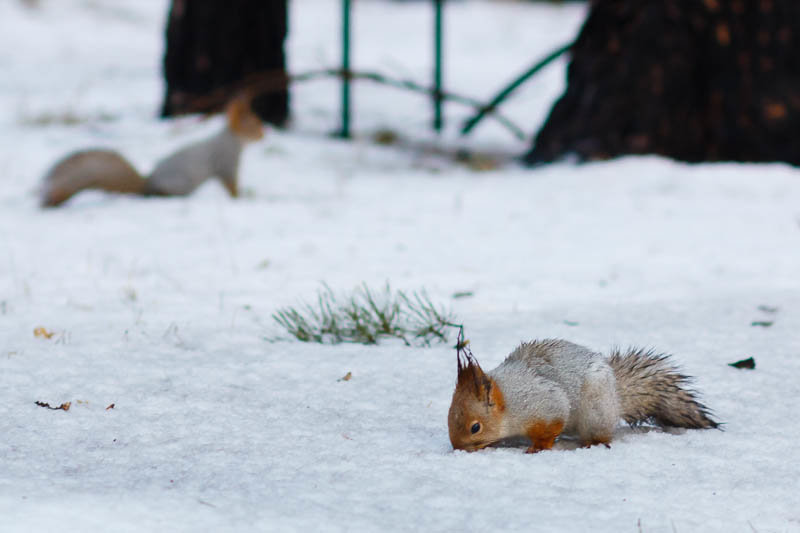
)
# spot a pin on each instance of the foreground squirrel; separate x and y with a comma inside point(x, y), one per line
point(177, 175)
point(554, 387)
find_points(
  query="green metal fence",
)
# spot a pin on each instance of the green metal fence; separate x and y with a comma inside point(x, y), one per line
point(437, 92)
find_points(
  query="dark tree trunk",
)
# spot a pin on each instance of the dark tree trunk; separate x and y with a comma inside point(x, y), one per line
point(707, 80)
point(218, 47)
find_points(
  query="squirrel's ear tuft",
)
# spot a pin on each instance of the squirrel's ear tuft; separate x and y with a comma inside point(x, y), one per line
point(474, 381)
point(239, 105)
point(236, 108)
point(467, 366)
point(471, 376)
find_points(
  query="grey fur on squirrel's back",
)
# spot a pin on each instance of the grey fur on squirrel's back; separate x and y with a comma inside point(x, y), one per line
point(185, 170)
point(555, 379)
point(651, 389)
point(557, 360)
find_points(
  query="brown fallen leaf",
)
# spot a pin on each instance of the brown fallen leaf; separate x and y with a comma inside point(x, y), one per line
point(42, 332)
point(346, 377)
point(479, 162)
point(63, 407)
point(749, 364)
point(110, 407)
point(385, 137)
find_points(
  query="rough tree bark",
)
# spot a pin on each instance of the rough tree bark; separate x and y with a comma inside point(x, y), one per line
point(216, 47)
point(708, 80)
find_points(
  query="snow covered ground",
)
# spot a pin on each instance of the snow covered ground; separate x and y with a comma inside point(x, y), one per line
point(162, 306)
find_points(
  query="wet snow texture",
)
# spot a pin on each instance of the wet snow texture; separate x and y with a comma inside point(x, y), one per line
point(161, 306)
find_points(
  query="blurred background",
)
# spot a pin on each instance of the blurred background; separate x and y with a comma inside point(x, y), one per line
point(630, 182)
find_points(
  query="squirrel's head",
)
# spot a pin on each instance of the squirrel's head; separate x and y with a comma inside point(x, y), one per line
point(476, 412)
point(242, 120)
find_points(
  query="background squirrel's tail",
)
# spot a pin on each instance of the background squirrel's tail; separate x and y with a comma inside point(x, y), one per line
point(651, 389)
point(90, 169)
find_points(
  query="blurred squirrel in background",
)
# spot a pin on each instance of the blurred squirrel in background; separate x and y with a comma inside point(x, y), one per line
point(553, 387)
point(177, 175)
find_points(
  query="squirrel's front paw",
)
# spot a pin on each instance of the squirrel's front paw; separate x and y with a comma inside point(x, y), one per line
point(543, 434)
point(535, 449)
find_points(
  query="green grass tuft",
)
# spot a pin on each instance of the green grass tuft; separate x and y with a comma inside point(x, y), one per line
point(366, 316)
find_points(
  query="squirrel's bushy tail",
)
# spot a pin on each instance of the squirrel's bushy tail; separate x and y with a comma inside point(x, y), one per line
point(90, 169)
point(651, 389)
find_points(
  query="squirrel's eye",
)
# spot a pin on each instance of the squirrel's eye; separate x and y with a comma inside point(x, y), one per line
point(476, 427)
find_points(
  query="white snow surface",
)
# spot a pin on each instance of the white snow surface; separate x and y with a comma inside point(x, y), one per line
point(163, 306)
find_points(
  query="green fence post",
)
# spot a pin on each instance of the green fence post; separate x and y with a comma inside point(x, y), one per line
point(345, 132)
point(438, 120)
